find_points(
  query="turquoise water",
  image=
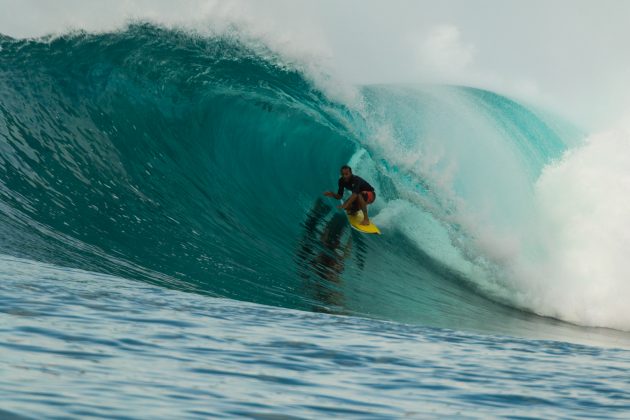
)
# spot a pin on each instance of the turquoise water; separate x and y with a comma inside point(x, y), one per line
point(167, 251)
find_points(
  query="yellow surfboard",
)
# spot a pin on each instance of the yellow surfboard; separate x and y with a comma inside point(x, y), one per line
point(355, 222)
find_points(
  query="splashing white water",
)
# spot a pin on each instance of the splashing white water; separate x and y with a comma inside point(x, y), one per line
point(568, 258)
point(583, 276)
point(553, 242)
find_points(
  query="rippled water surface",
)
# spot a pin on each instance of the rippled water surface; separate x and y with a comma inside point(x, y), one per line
point(80, 344)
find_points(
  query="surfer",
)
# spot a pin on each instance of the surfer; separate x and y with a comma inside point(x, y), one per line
point(362, 193)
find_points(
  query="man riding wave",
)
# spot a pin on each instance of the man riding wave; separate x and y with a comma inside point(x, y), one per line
point(362, 193)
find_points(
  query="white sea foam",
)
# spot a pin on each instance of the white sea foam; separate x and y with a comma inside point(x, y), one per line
point(555, 244)
point(583, 275)
point(568, 257)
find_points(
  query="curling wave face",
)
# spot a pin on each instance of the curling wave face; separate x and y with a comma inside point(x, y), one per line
point(198, 163)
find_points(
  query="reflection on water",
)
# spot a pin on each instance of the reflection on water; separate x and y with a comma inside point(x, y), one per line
point(322, 255)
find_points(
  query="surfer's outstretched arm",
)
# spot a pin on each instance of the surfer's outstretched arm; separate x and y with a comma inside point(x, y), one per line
point(333, 195)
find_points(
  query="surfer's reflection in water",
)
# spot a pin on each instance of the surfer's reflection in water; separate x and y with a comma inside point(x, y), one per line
point(322, 256)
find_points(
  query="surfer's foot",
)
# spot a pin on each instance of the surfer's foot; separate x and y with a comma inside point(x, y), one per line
point(365, 222)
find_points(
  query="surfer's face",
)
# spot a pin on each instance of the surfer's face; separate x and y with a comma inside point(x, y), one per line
point(346, 174)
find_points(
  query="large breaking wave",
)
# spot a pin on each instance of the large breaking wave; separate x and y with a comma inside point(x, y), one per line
point(198, 163)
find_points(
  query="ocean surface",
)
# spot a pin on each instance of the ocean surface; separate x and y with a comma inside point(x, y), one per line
point(166, 250)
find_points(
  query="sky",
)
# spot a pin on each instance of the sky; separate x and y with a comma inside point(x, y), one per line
point(572, 56)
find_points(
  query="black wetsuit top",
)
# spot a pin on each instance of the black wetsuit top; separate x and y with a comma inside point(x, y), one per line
point(356, 185)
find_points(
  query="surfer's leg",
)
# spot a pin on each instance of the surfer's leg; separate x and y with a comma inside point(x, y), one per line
point(354, 204)
point(363, 206)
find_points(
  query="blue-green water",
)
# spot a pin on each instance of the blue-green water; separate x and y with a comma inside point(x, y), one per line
point(81, 344)
point(167, 251)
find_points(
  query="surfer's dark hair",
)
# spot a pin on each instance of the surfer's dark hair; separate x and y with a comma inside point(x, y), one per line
point(345, 167)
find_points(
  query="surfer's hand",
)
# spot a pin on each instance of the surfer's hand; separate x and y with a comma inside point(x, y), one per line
point(328, 194)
